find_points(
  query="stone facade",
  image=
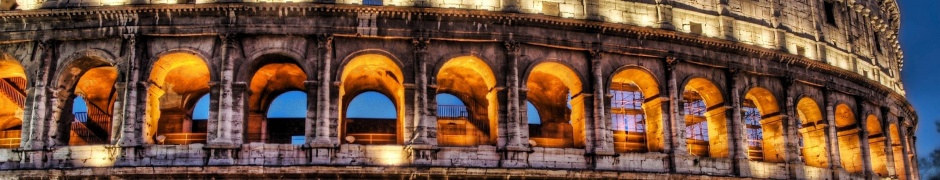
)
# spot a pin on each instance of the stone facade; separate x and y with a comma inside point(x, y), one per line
point(823, 77)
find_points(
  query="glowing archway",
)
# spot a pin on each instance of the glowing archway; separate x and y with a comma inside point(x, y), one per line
point(92, 79)
point(850, 152)
point(371, 72)
point(471, 80)
point(177, 81)
point(812, 133)
point(13, 90)
point(876, 146)
point(636, 112)
point(275, 75)
point(764, 127)
point(556, 91)
point(706, 127)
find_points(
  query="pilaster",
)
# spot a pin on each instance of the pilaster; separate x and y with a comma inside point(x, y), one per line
point(678, 148)
point(515, 152)
point(738, 137)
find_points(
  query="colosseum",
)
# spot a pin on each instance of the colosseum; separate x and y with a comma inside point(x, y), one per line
point(605, 89)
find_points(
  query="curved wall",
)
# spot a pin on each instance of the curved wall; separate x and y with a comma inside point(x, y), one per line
point(718, 51)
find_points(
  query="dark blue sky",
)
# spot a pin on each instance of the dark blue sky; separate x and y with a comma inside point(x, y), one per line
point(920, 20)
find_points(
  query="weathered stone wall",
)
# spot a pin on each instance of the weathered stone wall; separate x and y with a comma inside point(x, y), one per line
point(323, 38)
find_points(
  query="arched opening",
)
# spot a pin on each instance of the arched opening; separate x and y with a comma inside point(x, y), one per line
point(636, 112)
point(898, 151)
point(378, 78)
point(273, 76)
point(286, 118)
point(13, 90)
point(763, 126)
point(370, 119)
point(812, 134)
point(555, 90)
point(177, 82)
point(472, 120)
point(850, 153)
point(89, 80)
point(706, 128)
point(876, 146)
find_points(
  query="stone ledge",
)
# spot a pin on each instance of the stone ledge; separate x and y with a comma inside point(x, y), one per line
point(368, 172)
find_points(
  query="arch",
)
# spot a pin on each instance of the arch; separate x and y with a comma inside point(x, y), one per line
point(285, 118)
point(13, 101)
point(367, 54)
point(556, 91)
point(177, 80)
point(876, 146)
point(471, 80)
point(763, 125)
point(636, 111)
point(850, 152)
point(371, 119)
point(267, 56)
point(812, 133)
point(371, 72)
point(199, 54)
point(272, 76)
point(705, 119)
point(95, 87)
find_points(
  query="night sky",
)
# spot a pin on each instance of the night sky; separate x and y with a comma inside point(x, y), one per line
point(919, 41)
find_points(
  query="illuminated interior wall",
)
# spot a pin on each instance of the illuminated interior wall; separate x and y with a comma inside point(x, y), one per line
point(813, 133)
point(876, 146)
point(718, 137)
point(652, 106)
point(177, 81)
point(850, 152)
point(273, 75)
point(12, 102)
point(550, 85)
point(373, 72)
point(96, 85)
point(771, 124)
point(471, 80)
point(898, 151)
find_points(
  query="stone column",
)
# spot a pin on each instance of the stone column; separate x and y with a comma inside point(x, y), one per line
point(324, 74)
point(664, 14)
point(864, 144)
point(37, 115)
point(738, 137)
point(420, 145)
point(725, 21)
point(515, 152)
point(221, 144)
point(889, 149)
point(603, 140)
point(677, 148)
point(831, 134)
point(791, 133)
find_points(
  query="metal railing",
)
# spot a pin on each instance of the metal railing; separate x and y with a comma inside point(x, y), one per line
point(11, 88)
point(272, 138)
point(10, 139)
point(81, 131)
point(184, 138)
point(461, 112)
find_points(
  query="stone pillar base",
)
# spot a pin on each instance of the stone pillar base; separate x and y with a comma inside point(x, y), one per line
point(515, 157)
point(321, 154)
point(221, 155)
point(605, 159)
point(421, 155)
point(128, 156)
point(32, 159)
